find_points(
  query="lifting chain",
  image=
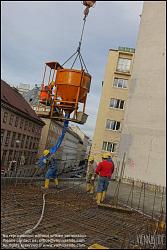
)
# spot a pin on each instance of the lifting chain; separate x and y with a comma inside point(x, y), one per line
point(78, 51)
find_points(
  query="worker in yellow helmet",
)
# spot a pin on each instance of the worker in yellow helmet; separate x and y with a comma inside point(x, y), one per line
point(90, 175)
point(104, 170)
point(51, 163)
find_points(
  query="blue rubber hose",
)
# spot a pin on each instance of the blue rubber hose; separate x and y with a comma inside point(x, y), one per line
point(53, 150)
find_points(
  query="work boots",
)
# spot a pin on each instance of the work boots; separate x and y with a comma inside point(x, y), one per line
point(103, 196)
point(47, 183)
point(98, 198)
point(88, 187)
point(92, 189)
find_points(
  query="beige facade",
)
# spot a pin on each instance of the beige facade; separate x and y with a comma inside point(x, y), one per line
point(143, 138)
point(112, 103)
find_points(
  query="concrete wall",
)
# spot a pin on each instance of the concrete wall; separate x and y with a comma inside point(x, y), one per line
point(143, 137)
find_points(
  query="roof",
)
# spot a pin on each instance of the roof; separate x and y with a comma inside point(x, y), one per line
point(124, 49)
point(13, 98)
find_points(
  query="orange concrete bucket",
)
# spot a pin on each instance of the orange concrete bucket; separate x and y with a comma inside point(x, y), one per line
point(72, 85)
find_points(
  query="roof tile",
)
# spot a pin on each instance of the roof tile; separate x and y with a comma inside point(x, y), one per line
point(12, 97)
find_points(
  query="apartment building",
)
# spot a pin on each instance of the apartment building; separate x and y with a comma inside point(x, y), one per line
point(143, 136)
point(20, 128)
point(113, 102)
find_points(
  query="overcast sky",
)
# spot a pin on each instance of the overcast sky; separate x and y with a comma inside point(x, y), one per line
point(34, 32)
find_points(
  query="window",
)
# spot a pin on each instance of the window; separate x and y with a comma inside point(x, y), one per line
point(11, 120)
point(19, 157)
point(35, 146)
point(112, 125)
point(25, 125)
point(16, 155)
point(116, 103)
point(18, 140)
point(120, 83)
point(23, 141)
point(28, 158)
point(13, 139)
point(108, 146)
point(25, 155)
point(10, 157)
point(5, 117)
point(21, 123)
point(29, 127)
point(4, 157)
point(16, 121)
point(2, 135)
point(27, 142)
point(123, 65)
point(33, 157)
point(33, 128)
point(30, 145)
point(7, 138)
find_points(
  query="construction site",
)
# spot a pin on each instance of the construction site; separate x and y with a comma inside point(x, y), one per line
point(45, 208)
point(68, 217)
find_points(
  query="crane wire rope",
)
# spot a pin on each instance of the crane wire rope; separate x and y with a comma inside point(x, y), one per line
point(78, 51)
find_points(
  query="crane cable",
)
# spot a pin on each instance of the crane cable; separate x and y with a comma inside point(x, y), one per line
point(78, 51)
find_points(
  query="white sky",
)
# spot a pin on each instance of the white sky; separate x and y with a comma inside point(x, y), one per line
point(34, 32)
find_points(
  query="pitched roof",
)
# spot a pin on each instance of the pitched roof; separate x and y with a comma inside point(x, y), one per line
point(13, 98)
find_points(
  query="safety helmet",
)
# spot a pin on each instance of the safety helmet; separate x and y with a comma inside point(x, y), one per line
point(52, 83)
point(91, 158)
point(105, 155)
point(45, 152)
point(109, 154)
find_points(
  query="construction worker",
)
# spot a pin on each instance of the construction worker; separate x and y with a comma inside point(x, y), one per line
point(90, 175)
point(104, 170)
point(51, 163)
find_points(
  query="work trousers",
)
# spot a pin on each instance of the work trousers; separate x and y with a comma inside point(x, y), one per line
point(102, 184)
point(51, 173)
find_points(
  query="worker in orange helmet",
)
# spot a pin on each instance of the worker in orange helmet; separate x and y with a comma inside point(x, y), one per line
point(90, 175)
point(105, 170)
